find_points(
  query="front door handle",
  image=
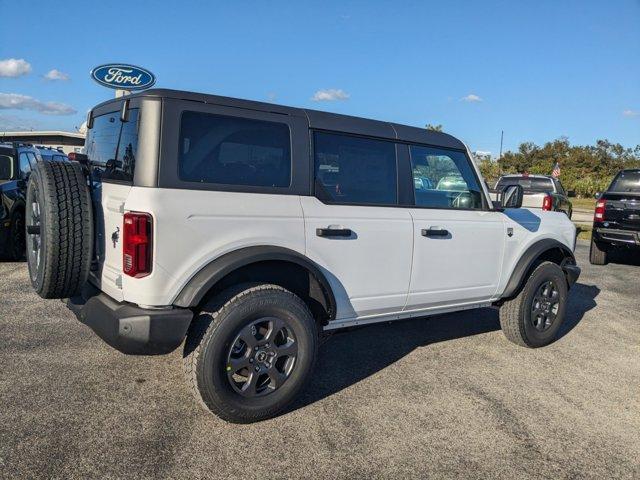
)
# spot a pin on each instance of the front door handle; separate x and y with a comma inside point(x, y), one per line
point(332, 231)
point(435, 232)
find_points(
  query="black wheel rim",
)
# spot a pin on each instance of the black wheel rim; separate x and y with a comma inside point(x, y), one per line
point(261, 357)
point(545, 306)
point(34, 240)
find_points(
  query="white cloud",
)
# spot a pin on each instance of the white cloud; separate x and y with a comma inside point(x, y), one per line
point(12, 67)
point(630, 113)
point(472, 97)
point(482, 153)
point(330, 95)
point(56, 74)
point(15, 101)
point(12, 123)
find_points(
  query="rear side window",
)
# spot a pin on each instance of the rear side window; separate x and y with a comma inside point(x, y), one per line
point(111, 146)
point(234, 151)
point(6, 167)
point(355, 170)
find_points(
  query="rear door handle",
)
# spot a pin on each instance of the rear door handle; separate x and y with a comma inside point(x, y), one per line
point(332, 231)
point(435, 232)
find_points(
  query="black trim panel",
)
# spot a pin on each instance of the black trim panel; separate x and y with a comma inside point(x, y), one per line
point(526, 261)
point(195, 290)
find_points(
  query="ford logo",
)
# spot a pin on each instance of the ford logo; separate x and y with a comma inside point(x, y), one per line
point(122, 76)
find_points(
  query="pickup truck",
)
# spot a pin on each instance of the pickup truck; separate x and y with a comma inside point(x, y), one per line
point(540, 191)
point(616, 221)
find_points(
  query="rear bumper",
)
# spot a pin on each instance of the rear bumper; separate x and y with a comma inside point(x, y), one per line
point(616, 237)
point(129, 328)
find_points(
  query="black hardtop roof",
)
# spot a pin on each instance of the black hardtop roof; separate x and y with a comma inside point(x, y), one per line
point(315, 118)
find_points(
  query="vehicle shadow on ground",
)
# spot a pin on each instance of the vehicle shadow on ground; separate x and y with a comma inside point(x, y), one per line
point(623, 257)
point(348, 357)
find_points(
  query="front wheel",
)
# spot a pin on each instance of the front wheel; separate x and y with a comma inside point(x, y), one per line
point(250, 352)
point(532, 318)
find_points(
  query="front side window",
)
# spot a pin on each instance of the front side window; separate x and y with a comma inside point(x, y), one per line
point(111, 146)
point(355, 170)
point(444, 179)
point(234, 151)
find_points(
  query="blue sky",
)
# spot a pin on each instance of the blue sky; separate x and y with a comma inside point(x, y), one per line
point(537, 69)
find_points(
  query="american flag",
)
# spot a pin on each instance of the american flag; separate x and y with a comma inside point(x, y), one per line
point(556, 170)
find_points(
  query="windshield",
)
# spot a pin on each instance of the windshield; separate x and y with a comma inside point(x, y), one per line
point(528, 184)
point(626, 182)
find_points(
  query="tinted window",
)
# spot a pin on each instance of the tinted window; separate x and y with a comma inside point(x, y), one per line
point(444, 179)
point(234, 151)
point(111, 146)
point(528, 184)
point(25, 165)
point(355, 170)
point(626, 182)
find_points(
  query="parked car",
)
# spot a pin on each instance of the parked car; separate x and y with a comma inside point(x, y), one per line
point(242, 230)
point(616, 221)
point(540, 191)
point(16, 162)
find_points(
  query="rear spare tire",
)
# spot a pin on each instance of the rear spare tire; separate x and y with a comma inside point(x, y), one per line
point(59, 225)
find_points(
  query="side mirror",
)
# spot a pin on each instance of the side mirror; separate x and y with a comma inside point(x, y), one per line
point(511, 197)
point(597, 195)
point(6, 168)
point(571, 193)
point(79, 157)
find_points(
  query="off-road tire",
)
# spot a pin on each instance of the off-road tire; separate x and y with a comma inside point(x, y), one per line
point(216, 326)
point(17, 237)
point(597, 256)
point(59, 192)
point(515, 314)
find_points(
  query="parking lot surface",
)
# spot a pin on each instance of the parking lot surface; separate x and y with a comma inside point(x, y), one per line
point(445, 396)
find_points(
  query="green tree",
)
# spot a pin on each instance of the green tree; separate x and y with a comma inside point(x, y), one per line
point(434, 128)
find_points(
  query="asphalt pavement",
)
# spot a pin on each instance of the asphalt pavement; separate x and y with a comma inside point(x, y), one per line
point(445, 396)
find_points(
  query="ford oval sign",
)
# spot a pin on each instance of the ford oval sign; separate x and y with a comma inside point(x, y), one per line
point(122, 76)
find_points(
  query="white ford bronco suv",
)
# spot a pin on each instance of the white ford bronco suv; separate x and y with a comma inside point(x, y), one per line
point(242, 230)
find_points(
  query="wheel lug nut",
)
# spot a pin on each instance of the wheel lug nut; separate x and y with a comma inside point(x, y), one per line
point(266, 345)
point(251, 360)
point(257, 369)
point(255, 348)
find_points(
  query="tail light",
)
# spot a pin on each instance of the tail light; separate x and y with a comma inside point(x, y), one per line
point(547, 203)
point(599, 213)
point(137, 233)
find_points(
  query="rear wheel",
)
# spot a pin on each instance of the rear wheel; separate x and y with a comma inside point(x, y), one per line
point(59, 225)
point(250, 352)
point(597, 255)
point(532, 319)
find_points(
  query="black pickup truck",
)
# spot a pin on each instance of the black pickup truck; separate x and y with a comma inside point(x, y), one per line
point(16, 162)
point(616, 222)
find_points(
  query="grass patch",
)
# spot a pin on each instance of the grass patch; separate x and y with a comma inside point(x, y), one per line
point(583, 203)
point(584, 233)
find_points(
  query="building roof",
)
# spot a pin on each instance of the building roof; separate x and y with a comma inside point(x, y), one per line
point(42, 133)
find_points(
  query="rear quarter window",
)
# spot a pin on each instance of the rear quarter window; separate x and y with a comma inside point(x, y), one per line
point(227, 150)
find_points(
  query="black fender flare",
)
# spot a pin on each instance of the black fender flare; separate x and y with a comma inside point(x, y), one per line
point(196, 288)
point(528, 259)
